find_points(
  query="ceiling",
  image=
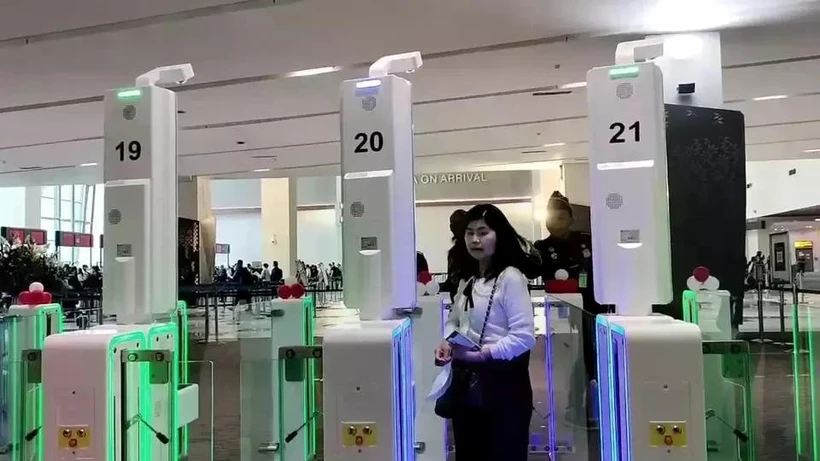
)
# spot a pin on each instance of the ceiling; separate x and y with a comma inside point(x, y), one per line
point(474, 102)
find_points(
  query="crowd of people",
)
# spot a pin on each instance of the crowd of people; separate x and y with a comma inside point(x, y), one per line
point(80, 278)
point(319, 276)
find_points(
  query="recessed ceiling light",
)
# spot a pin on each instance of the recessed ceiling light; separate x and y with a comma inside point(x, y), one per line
point(817, 219)
point(572, 86)
point(90, 164)
point(261, 170)
point(554, 144)
point(241, 143)
point(771, 98)
point(314, 71)
point(811, 151)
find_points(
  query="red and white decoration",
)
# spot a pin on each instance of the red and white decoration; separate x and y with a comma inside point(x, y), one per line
point(562, 283)
point(35, 296)
point(426, 285)
point(702, 280)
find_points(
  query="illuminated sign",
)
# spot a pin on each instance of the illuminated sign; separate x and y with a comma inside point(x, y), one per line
point(74, 239)
point(803, 244)
point(222, 249)
point(15, 234)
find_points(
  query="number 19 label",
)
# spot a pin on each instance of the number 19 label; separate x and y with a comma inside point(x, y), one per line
point(132, 151)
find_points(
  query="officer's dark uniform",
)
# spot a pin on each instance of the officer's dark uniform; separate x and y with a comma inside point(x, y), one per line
point(574, 255)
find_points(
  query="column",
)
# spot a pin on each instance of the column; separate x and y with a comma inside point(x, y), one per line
point(544, 183)
point(32, 206)
point(338, 207)
point(194, 202)
point(279, 223)
point(575, 181)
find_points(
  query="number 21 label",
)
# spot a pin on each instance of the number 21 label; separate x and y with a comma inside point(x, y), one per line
point(619, 128)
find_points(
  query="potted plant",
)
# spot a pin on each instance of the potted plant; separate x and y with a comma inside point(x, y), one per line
point(21, 264)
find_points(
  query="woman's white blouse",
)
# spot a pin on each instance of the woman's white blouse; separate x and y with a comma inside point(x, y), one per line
point(510, 328)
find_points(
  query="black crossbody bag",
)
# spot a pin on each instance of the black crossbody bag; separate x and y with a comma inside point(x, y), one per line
point(465, 389)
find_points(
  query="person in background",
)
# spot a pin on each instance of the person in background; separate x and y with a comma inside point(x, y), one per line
point(335, 276)
point(457, 228)
point(571, 251)
point(242, 276)
point(276, 275)
point(493, 308)
point(265, 273)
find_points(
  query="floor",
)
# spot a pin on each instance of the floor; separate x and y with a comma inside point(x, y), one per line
point(215, 436)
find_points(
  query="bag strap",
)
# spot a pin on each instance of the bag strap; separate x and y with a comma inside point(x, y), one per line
point(487, 314)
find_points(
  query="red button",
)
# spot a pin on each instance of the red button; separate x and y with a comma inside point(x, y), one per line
point(668, 440)
point(72, 443)
point(359, 440)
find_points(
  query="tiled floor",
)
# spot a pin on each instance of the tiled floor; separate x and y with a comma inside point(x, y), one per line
point(772, 391)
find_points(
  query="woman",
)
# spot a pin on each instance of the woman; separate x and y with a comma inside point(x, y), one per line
point(491, 390)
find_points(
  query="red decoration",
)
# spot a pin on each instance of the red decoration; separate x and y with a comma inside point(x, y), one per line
point(701, 274)
point(297, 290)
point(284, 292)
point(34, 298)
point(424, 278)
point(561, 286)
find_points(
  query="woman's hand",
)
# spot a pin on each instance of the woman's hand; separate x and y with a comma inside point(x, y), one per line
point(467, 355)
point(444, 353)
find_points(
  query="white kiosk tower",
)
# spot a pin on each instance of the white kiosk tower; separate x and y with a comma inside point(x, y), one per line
point(112, 392)
point(650, 367)
point(376, 372)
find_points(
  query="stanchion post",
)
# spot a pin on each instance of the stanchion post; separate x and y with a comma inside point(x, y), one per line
point(761, 330)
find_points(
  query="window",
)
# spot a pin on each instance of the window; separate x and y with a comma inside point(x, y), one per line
point(47, 207)
point(65, 209)
point(68, 208)
point(49, 191)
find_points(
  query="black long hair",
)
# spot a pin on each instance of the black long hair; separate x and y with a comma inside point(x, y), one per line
point(511, 249)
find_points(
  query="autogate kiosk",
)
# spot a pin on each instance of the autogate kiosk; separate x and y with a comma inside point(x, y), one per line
point(112, 392)
point(650, 367)
point(377, 372)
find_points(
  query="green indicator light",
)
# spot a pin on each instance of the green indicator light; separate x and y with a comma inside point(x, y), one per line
point(624, 72)
point(129, 94)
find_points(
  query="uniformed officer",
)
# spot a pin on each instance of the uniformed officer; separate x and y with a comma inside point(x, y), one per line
point(571, 251)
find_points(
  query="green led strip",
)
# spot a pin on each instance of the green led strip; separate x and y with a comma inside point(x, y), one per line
point(113, 364)
point(160, 330)
point(309, 313)
point(182, 352)
point(796, 378)
point(813, 390)
point(690, 307)
point(55, 310)
point(16, 432)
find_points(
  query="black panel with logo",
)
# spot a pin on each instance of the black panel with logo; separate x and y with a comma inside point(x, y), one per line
point(706, 161)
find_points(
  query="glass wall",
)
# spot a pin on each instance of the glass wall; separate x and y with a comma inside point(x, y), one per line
point(68, 208)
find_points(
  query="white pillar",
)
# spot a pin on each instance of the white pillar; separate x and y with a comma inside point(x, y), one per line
point(338, 207)
point(544, 183)
point(32, 205)
point(575, 181)
point(279, 223)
